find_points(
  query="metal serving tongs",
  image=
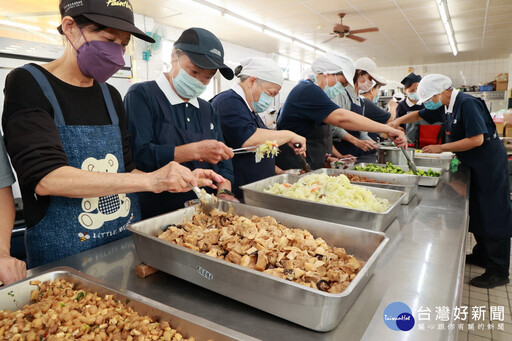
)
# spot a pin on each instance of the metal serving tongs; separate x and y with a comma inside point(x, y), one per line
point(410, 163)
point(243, 150)
point(305, 165)
point(208, 202)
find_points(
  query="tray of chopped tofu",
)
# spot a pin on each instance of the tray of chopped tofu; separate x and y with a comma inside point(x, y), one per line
point(319, 196)
point(65, 304)
point(303, 270)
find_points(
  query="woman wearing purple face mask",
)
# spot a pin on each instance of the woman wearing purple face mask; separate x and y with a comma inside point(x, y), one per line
point(65, 131)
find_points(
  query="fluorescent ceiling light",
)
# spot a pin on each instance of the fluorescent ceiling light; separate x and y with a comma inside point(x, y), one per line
point(447, 22)
point(20, 25)
point(207, 6)
point(277, 35)
point(304, 46)
point(243, 22)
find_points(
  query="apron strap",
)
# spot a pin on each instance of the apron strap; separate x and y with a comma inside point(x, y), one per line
point(110, 105)
point(47, 91)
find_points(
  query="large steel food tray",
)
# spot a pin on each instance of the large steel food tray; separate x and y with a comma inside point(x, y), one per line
point(15, 296)
point(442, 160)
point(305, 306)
point(407, 184)
point(427, 181)
point(254, 195)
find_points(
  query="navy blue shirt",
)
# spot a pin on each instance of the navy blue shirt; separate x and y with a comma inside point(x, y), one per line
point(307, 105)
point(469, 118)
point(374, 112)
point(238, 124)
point(403, 109)
point(156, 128)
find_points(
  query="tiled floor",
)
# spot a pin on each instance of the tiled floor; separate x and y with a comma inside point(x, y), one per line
point(473, 296)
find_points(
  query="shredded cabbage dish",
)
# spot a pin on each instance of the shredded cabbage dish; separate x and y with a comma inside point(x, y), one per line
point(334, 190)
point(268, 149)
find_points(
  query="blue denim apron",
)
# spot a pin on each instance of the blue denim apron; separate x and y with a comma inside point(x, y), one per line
point(489, 193)
point(73, 225)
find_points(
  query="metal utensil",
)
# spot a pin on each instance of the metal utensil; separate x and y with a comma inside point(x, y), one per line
point(243, 150)
point(305, 165)
point(410, 163)
point(208, 201)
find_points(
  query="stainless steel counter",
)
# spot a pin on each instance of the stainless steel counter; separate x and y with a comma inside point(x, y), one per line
point(422, 266)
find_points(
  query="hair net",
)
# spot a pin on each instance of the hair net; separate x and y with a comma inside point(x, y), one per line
point(324, 65)
point(262, 68)
point(332, 64)
point(432, 85)
point(368, 65)
point(308, 75)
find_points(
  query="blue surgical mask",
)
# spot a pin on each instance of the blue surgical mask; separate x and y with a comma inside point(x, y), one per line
point(376, 99)
point(431, 105)
point(186, 85)
point(334, 91)
point(413, 96)
point(263, 103)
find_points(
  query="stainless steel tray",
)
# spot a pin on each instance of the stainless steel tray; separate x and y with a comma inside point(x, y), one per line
point(429, 160)
point(254, 195)
point(427, 181)
point(16, 295)
point(407, 184)
point(308, 307)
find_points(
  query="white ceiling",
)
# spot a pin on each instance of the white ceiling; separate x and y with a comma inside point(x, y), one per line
point(411, 31)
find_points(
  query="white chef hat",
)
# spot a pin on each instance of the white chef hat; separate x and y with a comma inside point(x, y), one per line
point(431, 85)
point(368, 65)
point(347, 65)
point(333, 63)
point(262, 68)
point(324, 65)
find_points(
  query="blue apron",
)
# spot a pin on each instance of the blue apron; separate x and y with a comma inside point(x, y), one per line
point(153, 204)
point(73, 225)
point(247, 170)
point(489, 193)
point(345, 147)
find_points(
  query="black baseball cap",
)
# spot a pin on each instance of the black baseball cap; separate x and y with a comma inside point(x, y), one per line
point(116, 14)
point(204, 50)
point(410, 79)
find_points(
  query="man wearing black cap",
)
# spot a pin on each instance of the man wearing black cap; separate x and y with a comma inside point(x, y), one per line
point(169, 122)
point(410, 83)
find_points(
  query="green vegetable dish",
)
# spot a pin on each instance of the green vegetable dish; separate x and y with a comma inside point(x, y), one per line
point(390, 168)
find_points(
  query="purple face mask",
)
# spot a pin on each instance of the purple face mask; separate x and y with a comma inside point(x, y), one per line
point(99, 59)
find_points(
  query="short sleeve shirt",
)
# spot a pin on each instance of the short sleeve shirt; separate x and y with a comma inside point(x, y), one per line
point(307, 105)
point(6, 175)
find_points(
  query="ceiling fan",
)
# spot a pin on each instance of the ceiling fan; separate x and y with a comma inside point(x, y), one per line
point(340, 31)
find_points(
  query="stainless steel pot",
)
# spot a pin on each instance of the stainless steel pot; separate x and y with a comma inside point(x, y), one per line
point(393, 155)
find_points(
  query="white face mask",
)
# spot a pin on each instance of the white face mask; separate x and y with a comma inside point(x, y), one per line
point(364, 86)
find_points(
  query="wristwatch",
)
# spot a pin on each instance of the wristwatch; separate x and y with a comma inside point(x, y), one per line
point(225, 191)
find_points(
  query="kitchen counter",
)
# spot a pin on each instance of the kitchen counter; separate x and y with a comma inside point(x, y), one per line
point(422, 266)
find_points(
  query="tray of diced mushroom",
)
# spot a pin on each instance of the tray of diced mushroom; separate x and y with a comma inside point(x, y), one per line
point(65, 304)
point(304, 270)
